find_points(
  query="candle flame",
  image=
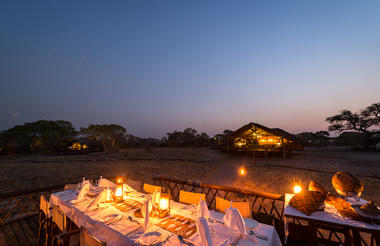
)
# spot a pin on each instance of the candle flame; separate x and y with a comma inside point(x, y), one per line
point(118, 191)
point(297, 189)
point(164, 203)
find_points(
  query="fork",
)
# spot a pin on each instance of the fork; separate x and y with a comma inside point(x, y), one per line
point(258, 235)
point(133, 232)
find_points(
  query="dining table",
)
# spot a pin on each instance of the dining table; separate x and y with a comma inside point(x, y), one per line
point(330, 217)
point(118, 222)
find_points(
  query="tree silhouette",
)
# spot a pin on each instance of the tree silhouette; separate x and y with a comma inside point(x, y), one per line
point(366, 121)
point(110, 135)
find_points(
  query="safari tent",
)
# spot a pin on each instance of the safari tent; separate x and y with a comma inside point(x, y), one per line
point(263, 141)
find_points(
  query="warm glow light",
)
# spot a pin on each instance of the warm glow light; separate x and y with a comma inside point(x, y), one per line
point(119, 180)
point(278, 143)
point(297, 189)
point(270, 140)
point(242, 171)
point(164, 203)
point(108, 194)
point(119, 191)
point(262, 140)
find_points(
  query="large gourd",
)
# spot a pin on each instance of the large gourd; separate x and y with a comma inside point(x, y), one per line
point(347, 184)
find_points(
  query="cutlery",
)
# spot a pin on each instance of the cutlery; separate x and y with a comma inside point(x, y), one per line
point(215, 221)
point(258, 235)
point(182, 240)
point(186, 207)
point(133, 220)
point(133, 231)
point(114, 220)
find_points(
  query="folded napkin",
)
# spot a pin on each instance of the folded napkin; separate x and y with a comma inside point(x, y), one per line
point(106, 183)
point(127, 188)
point(204, 232)
point(202, 209)
point(83, 191)
point(234, 220)
point(84, 181)
point(102, 197)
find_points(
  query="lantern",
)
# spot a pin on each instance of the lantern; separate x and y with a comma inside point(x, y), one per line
point(119, 192)
point(297, 185)
point(164, 206)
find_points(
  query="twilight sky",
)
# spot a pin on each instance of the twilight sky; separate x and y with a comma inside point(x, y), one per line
point(159, 66)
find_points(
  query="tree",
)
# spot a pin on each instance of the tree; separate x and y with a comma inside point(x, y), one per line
point(188, 138)
point(366, 121)
point(38, 135)
point(320, 138)
point(110, 135)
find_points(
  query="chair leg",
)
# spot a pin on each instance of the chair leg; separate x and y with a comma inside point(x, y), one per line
point(39, 228)
point(49, 233)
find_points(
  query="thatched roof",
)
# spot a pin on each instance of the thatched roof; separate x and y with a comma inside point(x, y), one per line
point(275, 131)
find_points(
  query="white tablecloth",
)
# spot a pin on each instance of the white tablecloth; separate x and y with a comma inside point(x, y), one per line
point(115, 233)
point(330, 214)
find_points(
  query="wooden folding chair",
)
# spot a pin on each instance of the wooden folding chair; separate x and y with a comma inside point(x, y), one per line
point(151, 188)
point(191, 197)
point(62, 237)
point(70, 186)
point(44, 222)
point(86, 239)
point(243, 207)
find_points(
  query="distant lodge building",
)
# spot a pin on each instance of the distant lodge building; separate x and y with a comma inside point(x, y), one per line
point(262, 141)
point(83, 146)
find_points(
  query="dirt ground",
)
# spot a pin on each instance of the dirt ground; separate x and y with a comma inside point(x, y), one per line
point(25, 172)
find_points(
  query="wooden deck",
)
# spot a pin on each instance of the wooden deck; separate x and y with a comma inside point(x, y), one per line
point(20, 233)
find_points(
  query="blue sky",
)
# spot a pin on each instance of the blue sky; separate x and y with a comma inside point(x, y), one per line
point(159, 66)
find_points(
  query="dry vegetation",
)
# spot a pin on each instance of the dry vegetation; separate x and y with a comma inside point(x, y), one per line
point(270, 174)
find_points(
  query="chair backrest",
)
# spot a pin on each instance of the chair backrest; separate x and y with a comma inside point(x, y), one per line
point(44, 205)
point(70, 186)
point(137, 185)
point(191, 197)
point(86, 239)
point(151, 188)
point(243, 207)
point(59, 218)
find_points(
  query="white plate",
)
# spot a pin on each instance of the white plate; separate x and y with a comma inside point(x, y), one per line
point(150, 238)
point(251, 224)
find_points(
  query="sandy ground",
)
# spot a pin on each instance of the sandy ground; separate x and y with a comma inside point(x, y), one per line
point(269, 174)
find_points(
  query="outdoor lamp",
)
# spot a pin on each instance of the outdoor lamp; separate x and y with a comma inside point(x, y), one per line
point(242, 171)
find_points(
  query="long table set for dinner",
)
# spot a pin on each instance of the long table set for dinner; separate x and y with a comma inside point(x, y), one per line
point(116, 214)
